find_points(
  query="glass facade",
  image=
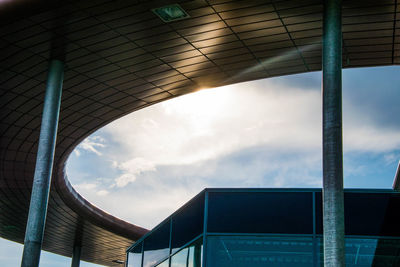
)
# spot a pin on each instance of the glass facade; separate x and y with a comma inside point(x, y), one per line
point(251, 212)
point(257, 251)
point(270, 227)
point(190, 256)
point(135, 256)
point(156, 246)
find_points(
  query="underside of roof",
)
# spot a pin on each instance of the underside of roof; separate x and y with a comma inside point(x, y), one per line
point(121, 57)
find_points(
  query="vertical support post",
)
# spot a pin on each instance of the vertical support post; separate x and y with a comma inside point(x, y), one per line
point(76, 256)
point(197, 255)
point(205, 223)
point(44, 166)
point(333, 201)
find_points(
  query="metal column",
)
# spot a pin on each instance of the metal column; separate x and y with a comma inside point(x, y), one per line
point(333, 202)
point(44, 165)
point(76, 256)
point(197, 256)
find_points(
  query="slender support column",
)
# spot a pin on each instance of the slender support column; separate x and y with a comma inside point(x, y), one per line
point(197, 255)
point(76, 256)
point(44, 165)
point(333, 202)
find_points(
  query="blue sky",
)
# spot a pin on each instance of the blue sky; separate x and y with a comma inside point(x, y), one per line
point(265, 133)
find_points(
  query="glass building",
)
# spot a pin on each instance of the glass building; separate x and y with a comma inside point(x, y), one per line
point(270, 227)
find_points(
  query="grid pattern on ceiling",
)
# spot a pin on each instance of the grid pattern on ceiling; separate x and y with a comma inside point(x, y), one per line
point(120, 57)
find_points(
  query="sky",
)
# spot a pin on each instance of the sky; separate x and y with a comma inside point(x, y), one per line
point(265, 133)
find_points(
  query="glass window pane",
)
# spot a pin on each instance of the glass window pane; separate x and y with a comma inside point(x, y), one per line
point(196, 254)
point(187, 224)
point(190, 256)
point(180, 259)
point(135, 256)
point(372, 214)
point(368, 252)
point(367, 214)
point(245, 251)
point(164, 264)
point(260, 212)
point(156, 246)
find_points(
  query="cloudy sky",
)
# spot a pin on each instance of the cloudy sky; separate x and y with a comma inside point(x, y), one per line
point(265, 133)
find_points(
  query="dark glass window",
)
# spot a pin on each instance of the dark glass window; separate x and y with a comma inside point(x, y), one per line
point(318, 213)
point(187, 224)
point(190, 256)
point(260, 212)
point(156, 245)
point(256, 251)
point(135, 256)
point(372, 214)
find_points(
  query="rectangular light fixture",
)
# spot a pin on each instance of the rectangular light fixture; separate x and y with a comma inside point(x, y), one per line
point(171, 13)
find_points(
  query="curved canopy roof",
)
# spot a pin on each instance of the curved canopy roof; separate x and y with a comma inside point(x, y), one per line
point(121, 57)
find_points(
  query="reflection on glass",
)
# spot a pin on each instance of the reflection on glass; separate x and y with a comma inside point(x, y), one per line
point(152, 257)
point(180, 259)
point(164, 264)
point(360, 252)
point(363, 252)
point(156, 246)
point(135, 257)
point(255, 251)
point(189, 257)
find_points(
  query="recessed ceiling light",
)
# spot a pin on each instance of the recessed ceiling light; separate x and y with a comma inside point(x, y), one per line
point(171, 13)
point(118, 261)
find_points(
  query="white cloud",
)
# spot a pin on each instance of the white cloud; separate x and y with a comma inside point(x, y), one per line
point(85, 186)
point(214, 123)
point(169, 152)
point(131, 169)
point(392, 158)
point(217, 122)
point(91, 144)
point(102, 193)
point(369, 138)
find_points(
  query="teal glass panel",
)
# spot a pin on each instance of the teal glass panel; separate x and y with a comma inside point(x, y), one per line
point(368, 252)
point(256, 251)
point(190, 256)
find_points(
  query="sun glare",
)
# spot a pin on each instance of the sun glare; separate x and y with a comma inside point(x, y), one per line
point(202, 106)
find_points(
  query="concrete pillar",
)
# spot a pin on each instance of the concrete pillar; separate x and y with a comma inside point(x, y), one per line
point(333, 201)
point(44, 166)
